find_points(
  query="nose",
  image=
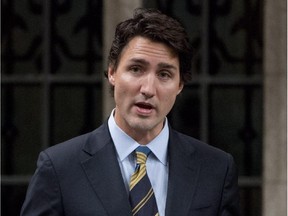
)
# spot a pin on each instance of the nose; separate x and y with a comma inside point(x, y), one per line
point(148, 86)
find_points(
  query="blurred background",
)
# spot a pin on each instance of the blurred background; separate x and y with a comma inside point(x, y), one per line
point(53, 54)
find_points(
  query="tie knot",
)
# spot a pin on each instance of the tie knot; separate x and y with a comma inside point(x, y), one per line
point(142, 152)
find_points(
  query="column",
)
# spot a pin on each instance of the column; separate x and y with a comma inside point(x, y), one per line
point(275, 109)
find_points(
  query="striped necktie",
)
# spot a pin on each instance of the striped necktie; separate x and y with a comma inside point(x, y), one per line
point(142, 198)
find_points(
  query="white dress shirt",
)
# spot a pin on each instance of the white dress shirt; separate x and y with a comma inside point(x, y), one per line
point(157, 163)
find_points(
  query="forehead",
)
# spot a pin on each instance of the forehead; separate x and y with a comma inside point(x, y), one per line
point(144, 47)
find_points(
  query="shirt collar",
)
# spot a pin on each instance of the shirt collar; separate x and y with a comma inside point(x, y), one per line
point(125, 145)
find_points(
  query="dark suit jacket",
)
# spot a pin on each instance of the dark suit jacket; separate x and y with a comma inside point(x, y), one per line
point(81, 177)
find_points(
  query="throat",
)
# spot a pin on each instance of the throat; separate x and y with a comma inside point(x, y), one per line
point(144, 137)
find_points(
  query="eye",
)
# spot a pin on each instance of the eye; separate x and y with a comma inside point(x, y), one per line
point(135, 69)
point(164, 75)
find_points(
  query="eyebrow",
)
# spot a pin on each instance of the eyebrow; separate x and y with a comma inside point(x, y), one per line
point(140, 61)
point(168, 66)
point(161, 64)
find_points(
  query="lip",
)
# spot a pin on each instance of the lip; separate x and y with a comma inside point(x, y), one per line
point(144, 108)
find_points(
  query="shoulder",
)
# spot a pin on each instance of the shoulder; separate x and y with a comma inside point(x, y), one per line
point(72, 148)
point(198, 148)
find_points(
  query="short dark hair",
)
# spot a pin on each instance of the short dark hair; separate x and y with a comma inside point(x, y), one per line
point(158, 27)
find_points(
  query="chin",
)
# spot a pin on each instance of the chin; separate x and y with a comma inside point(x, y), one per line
point(143, 125)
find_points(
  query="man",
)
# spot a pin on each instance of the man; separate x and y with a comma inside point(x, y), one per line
point(93, 174)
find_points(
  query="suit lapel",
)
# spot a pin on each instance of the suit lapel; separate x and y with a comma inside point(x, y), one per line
point(102, 169)
point(183, 175)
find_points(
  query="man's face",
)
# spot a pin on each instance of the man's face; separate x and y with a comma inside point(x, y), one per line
point(146, 83)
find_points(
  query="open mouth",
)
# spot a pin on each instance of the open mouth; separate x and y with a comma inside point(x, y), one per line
point(144, 105)
point(144, 108)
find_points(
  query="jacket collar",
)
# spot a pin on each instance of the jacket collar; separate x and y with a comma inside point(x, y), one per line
point(100, 164)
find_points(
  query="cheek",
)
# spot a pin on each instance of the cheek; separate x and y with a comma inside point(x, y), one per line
point(125, 77)
point(128, 85)
point(169, 100)
point(171, 92)
point(124, 87)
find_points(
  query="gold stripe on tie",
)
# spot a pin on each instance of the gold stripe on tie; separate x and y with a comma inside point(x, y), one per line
point(137, 176)
point(142, 202)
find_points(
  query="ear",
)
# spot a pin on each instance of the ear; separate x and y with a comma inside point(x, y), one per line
point(111, 74)
point(181, 86)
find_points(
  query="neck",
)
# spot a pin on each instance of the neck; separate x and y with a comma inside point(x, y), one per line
point(143, 137)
